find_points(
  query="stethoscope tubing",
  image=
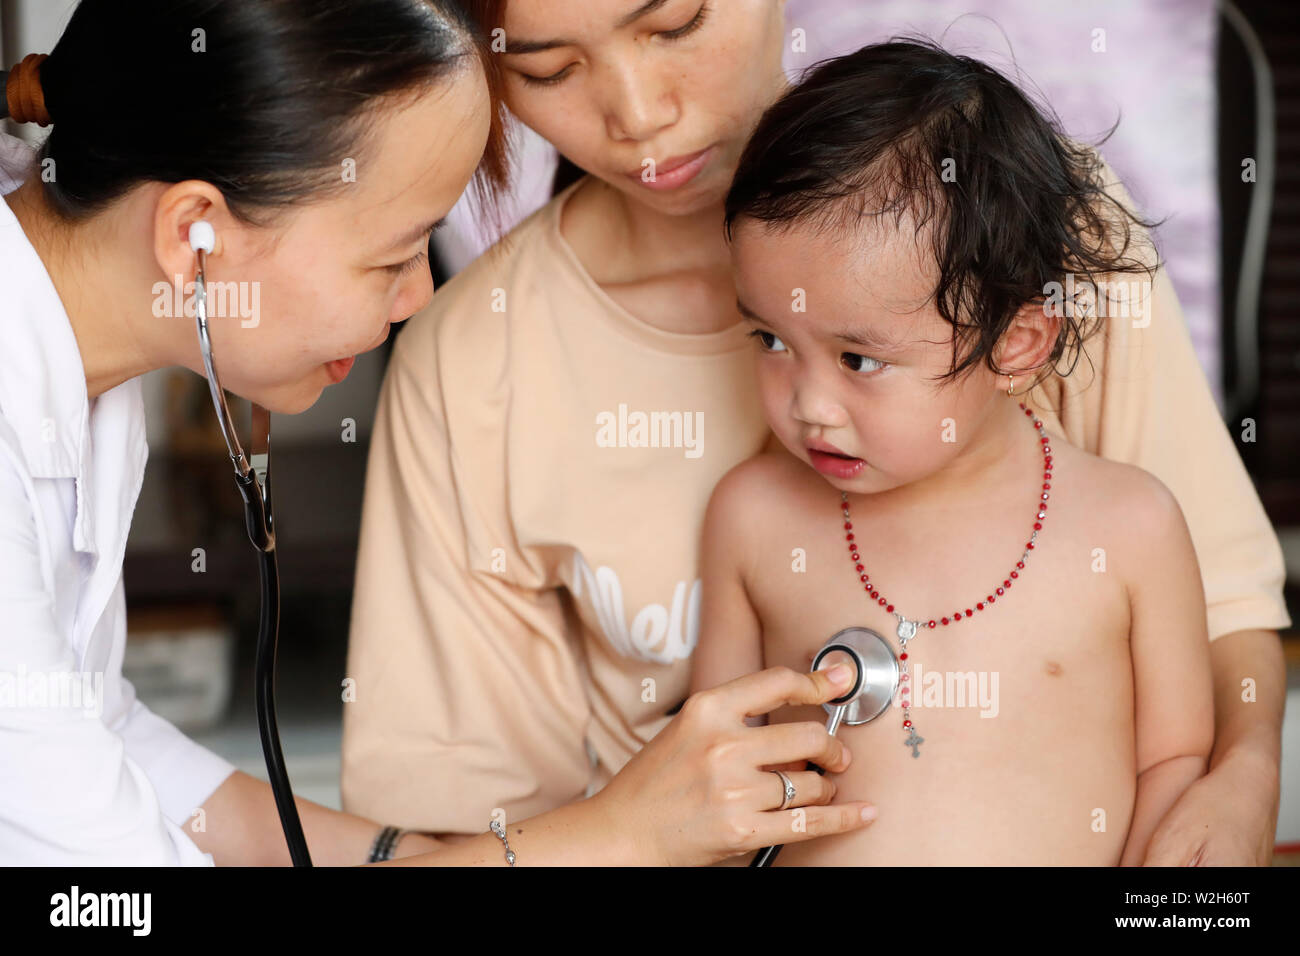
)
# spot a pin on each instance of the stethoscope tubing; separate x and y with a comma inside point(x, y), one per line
point(254, 484)
point(267, 726)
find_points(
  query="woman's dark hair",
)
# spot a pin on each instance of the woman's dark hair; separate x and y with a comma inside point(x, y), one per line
point(262, 98)
point(906, 128)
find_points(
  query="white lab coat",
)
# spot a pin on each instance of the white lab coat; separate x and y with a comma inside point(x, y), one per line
point(87, 781)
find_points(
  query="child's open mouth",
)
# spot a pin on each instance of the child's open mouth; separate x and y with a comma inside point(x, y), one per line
point(834, 465)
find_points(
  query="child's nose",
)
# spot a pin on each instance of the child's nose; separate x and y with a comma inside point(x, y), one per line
point(815, 405)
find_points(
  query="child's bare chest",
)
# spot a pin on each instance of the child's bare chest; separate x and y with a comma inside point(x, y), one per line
point(1024, 708)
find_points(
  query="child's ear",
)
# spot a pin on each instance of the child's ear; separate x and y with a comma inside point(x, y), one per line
point(1027, 344)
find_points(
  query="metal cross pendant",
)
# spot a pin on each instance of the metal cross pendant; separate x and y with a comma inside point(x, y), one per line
point(913, 741)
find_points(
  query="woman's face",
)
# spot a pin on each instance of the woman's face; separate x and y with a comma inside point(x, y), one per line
point(331, 277)
point(630, 89)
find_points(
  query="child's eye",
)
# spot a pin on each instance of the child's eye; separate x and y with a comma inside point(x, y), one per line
point(768, 341)
point(861, 363)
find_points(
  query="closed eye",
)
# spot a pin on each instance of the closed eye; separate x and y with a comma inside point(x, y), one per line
point(413, 263)
point(696, 22)
point(551, 80)
point(410, 265)
point(680, 33)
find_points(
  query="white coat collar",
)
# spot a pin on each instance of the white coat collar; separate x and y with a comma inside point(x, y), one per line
point(42, 377)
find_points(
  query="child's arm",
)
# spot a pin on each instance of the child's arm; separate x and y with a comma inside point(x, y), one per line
point(1169, 641)
point(730, 637)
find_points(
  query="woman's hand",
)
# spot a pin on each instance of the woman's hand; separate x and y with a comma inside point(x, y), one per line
point(699, 792)
point(1226, 818)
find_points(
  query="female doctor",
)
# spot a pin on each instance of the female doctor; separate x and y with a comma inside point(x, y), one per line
point(323, 143)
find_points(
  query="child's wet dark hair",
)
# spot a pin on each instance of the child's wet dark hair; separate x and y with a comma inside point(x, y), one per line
point(874, 132)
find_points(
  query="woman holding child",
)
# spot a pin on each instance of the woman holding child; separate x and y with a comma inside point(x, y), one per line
point(544, 625)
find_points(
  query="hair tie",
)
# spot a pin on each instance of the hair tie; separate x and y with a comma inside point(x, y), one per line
point(23, 91)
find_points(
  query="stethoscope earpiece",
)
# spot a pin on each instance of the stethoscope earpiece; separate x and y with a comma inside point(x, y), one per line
point(202, 236)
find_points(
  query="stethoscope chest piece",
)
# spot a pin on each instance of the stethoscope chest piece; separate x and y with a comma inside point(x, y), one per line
point(876, 674)
point(877, 671)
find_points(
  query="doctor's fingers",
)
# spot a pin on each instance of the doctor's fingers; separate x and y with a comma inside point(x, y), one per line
point(796, 824)
point(801, 741)
point(810, 789)
point(765, 691)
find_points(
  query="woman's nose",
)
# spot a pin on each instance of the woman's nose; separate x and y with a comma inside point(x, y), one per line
point(413, 297)
point(638, 107)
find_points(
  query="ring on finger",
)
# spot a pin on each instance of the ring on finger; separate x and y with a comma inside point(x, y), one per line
point(788, 792)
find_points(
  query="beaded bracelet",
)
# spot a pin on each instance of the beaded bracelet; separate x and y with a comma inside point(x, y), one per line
point(500, 831)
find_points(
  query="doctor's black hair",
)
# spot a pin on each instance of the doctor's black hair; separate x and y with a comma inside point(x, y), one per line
point(262, 98)
point(872, 133)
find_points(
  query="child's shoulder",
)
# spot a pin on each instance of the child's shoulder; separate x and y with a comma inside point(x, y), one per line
point(770, 484)
point(1127, 503)
point(771, 475)
point(771, 468)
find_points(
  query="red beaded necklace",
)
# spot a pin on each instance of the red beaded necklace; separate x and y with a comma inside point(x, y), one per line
point(907, 628)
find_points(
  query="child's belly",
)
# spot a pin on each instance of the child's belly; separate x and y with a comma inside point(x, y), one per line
point(1028, 754)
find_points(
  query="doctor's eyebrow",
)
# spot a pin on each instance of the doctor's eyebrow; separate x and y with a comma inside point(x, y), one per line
point(521, 47)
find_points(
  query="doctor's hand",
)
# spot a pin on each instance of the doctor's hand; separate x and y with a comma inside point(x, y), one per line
point(698, 793)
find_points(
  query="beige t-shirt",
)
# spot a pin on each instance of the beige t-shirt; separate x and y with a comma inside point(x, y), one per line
point(527, 590)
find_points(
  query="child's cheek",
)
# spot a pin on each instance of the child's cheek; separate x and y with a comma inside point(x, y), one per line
point(893, 435)
point(774, 395)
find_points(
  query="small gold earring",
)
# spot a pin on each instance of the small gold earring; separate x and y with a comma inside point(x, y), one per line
point(1011, 383)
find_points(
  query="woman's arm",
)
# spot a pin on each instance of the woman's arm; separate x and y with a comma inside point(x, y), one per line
point(71, 792)
point(241, 827)
point(1229, 816)
point(694, 795)
point(1249, 698)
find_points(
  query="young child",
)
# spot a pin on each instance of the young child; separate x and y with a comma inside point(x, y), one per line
point(913, 244)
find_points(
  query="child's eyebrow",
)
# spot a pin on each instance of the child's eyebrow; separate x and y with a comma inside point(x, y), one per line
point(855, 336)
point(867, 340)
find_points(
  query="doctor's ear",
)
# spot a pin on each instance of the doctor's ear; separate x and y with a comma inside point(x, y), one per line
point(178, 208)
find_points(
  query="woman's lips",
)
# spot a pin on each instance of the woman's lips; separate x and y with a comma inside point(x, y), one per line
point(339, 368)
point(835, 466)
point(676, 172)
